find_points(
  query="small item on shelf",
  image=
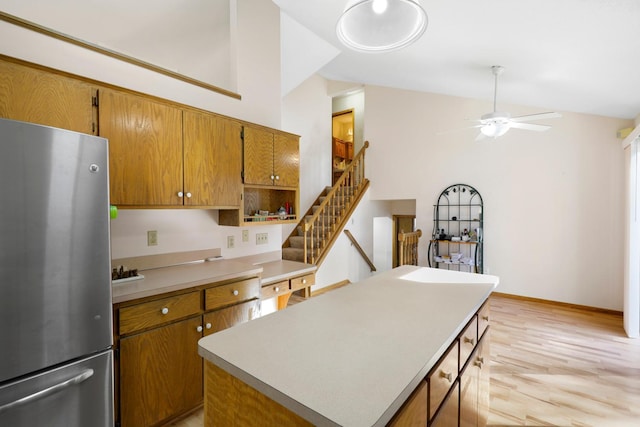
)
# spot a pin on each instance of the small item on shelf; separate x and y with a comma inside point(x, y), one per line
point(443, 235)
point(282, 212)
point(454, 218)
point(465, 235)
point(455, 238)
point(121, 273)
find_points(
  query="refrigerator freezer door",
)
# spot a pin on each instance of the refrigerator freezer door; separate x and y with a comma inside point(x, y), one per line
point(75, 395)
point(55, 283)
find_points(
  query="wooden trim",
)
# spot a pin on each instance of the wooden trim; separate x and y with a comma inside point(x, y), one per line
point(360, 250)
point(330, 288)
point(559, 303)
point(113, 54)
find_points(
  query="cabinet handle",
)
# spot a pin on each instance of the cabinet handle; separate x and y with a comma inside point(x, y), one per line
point(480, 360)
point(277, 289)
point(199, 328)
point(478, 364)
point(208, 326)
point(277, 177)
point(446, 375)
point(273, 177)
point(235, 292)
point(164, 310)
point(469, 340)
point(485, 318)
point(304, 281)
point(188, 195)
point(180, 194)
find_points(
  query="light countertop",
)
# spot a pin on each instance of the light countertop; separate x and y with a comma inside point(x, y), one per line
point(183, 276)
point(352, 356)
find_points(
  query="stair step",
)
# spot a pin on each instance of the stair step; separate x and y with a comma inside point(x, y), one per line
point(298, 242)
point(293, 254)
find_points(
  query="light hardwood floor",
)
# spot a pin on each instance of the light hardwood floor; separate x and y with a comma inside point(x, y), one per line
point(555, 365)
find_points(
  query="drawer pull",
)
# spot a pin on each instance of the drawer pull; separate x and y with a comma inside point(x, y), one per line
point(304, 281)
point(199, 328)
point(480, 359)
point(208, 326)
point(477, 363)
point(469, 340)
point(447, 375)
point(485, 318)
point(164, 310)
point(276, 289)
point(235, 292)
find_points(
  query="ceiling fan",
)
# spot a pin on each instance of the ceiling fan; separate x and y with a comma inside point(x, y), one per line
point(497, 123)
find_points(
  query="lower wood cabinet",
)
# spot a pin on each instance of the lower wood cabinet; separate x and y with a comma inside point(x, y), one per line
point(456, 390)
point(158, 372)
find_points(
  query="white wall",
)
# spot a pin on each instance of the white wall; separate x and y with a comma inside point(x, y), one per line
point(258, 78)
point(553, 200)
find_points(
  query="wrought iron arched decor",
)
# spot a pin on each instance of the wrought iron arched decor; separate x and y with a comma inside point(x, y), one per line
point(458, 230)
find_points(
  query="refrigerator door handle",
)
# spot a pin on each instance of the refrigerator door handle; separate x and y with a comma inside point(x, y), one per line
point(85, 375)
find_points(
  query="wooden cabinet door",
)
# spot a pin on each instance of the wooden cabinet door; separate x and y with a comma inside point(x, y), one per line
point(212, 160)
point(469, 393)
point(448, 415)
point(35, 96)
point(145, 149)
point(160, 373)
point(484, 379)
point(414, 411)
point(227, 317)
point(286, 160)
point(258, 156)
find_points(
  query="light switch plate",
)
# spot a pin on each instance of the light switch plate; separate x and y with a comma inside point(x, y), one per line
point(152, 238)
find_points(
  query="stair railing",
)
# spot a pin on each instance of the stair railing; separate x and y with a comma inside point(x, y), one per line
point(361, 251)
point(408, 247)
point(319, 228)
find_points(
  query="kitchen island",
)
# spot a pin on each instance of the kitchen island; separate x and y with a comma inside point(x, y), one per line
point(350, 357)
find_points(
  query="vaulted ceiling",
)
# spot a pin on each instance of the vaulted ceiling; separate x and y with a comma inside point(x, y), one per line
point(567, 55)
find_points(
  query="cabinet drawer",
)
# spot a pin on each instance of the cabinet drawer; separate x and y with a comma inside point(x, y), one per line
point(275, 289)
point(303, 282)
point(483, 318)
point(442, 378)
point(230, 316)
point(153, 313)
point(232, 293)
point(468, 340)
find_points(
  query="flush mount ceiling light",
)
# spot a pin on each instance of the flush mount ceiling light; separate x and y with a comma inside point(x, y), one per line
point(381, 25)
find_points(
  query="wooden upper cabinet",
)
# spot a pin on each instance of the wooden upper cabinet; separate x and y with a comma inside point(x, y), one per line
point(145, 149)
point(212, 160)
point(258, 156)
point(31, 95)
point(270, 158)
point(286, 160)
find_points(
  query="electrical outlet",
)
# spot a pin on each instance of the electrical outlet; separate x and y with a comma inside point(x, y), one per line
point(231, 242)
point(152, 238)
point(245, 235)
point(262, 238)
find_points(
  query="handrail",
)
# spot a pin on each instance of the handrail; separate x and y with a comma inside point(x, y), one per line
point(321, 226)
point(360, 250)
point(408, 247)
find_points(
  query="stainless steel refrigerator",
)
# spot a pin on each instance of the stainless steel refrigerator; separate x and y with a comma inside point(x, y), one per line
point(56, 362)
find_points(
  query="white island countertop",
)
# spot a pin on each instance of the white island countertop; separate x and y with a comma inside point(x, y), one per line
point(352, 356)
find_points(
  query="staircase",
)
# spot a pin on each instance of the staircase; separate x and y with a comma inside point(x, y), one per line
point(319, 228)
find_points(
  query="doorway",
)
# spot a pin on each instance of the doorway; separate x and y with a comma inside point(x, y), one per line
point(341, 142)
point(404, 224)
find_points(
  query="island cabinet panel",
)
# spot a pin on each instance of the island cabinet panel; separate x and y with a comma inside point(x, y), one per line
point(145, 149)
point(160, 373)
point(484, 378)
point(212, 160)
point(414, 411)
point(442, 378)
point(231, 402)
point(448, 414)
point(32, 95)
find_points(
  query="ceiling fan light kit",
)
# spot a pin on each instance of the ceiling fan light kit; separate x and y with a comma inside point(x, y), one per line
point(381, 25)
point(497, 123)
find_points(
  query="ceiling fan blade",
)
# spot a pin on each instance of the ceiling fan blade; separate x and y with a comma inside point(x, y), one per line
point(539, 116)
point(459, 130)
point(480, 136)
point(529, 126)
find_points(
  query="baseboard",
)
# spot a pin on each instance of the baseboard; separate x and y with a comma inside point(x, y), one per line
point(559, 304)
point(330, 288)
